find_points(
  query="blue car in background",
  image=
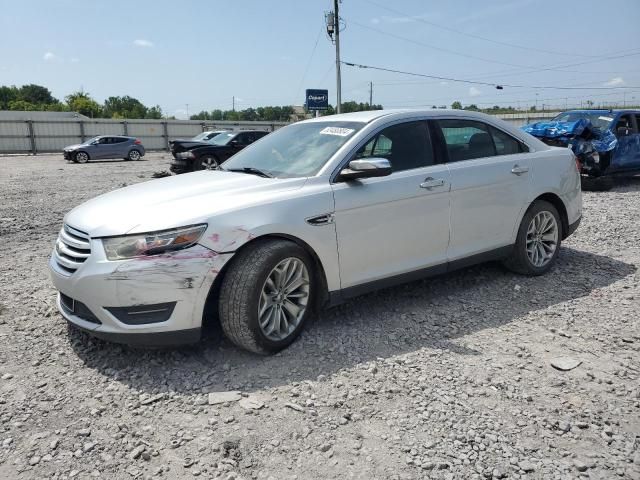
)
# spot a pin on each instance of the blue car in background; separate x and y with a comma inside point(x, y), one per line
point(605, 142)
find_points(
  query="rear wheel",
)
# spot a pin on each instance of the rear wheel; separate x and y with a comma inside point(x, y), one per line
point(81, 157)
point(266, 296)
point(538, 241)
point(134, 155)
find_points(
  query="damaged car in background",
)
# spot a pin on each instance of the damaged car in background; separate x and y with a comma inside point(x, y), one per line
point(309, 216)
point(211, 154)
point(182, 145)
point(606, 143)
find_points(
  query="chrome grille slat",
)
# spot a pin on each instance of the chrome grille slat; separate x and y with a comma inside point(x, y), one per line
point(73, 247)
point(74, 241)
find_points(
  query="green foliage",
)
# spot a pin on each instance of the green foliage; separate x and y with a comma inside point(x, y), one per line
point(35, 94)
point(124, 107)
point(82, 103)
point(263, 114)
point(456, 105)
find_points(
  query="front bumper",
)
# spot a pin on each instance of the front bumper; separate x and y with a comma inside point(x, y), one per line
point(106, 292)
point(68, 155)
point(179, 165)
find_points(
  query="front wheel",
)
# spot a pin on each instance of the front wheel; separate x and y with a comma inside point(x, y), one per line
point(208, 162)
point(538, 241)
point(81, 157)
point(266, 296)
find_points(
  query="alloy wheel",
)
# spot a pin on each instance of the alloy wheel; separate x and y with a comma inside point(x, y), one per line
point(209, 163)
point(542, 238)
point(283, 299)
point(134, 155)
point(82, 157)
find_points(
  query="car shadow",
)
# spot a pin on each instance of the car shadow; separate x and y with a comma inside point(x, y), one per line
point(390, 322)
point(108, 160)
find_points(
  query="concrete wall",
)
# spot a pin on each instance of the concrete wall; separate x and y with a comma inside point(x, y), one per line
point(41, 136)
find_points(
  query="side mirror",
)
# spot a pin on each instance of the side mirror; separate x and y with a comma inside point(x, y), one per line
point(623, 131)
point(366, 168)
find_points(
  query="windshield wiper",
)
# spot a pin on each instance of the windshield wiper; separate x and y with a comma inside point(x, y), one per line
point(251, 170)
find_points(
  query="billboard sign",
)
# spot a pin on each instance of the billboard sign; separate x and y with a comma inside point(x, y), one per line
point(317, 99)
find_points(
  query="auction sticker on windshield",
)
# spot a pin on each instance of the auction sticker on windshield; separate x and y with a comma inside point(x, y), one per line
point(341, 132)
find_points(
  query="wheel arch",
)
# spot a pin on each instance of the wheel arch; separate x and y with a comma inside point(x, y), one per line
point(557, 202)
point(82, 151)
point(210, 312)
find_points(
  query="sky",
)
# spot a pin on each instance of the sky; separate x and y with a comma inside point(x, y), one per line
point(204, 53)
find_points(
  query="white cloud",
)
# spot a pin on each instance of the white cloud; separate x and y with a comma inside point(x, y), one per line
point(375, 21)
point(615, 82)
point(474, 92)
point(143, 43)
point(74, 60)
point(50, 57)
point(444, 83)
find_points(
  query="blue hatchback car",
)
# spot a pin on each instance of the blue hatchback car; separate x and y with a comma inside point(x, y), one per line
point(605, 142)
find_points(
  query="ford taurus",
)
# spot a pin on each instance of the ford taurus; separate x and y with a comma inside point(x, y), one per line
point(315, 213)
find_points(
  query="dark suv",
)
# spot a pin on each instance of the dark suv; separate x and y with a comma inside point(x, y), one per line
point(217, 151)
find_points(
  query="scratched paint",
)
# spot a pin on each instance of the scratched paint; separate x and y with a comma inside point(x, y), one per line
point(230, 240)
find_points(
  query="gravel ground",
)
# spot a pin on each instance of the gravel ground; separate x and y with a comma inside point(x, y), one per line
point(450, 377)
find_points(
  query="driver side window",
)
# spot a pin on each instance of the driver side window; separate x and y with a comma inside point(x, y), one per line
point(406, 146)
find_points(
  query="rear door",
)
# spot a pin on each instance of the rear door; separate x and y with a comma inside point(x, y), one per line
point(489, 185)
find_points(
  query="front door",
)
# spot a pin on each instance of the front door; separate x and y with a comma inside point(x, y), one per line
point(396, 224)
point(626, 155)
point(489, 185)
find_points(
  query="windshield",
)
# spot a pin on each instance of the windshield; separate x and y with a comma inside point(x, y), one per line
point(222, 138)
point(298, 150)
point(93, 139)
point(600, 120)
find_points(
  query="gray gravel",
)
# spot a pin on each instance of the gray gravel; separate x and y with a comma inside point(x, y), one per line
point(445, 378)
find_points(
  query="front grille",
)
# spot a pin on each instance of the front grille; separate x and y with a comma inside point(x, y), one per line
point(73, 247)
point(78, 309)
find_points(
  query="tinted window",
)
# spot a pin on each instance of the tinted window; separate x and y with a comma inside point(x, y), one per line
point(505, 143)
point(120, 139)
point(406, 146)
point(467, 139)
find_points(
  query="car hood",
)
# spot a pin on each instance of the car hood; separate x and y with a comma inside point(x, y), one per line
point(175, 201)
point(602, 140)
point(74, 147)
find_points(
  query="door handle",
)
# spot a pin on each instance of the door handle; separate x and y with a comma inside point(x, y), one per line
point(518, 170)
point(431, 182)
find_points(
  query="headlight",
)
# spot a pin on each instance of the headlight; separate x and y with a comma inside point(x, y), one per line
point(130, 246)
point(185, 155)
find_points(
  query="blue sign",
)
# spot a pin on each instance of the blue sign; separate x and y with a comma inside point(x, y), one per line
point(317, 99)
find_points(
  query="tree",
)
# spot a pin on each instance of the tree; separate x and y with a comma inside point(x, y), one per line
point(7, 95)
point(124, 107)
point(154, 112)
point(473, 107)
point(82, 103)
point(456, 105)
point(35, 94)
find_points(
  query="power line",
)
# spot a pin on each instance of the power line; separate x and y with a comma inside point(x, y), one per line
point(479, 37)
point(528, 68)
point(306, 70)
point(474, 82)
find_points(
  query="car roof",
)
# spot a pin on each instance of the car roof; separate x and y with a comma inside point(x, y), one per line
point(371, 115)
point(601, 110)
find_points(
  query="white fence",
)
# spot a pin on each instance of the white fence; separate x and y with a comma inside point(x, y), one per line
point(41, 136)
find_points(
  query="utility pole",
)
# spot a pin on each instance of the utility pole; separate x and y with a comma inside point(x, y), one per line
point(338, 76)
point(187, 105)
point(370, 94)
point(233, 103)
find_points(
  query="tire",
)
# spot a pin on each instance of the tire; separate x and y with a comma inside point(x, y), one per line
point(81, 157)
point(520, 260)
point(597, 184)
point(134, 155)
point(206, 162)
point(243, 293)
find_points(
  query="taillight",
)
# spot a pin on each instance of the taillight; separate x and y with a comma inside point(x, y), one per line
point(138, 142)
